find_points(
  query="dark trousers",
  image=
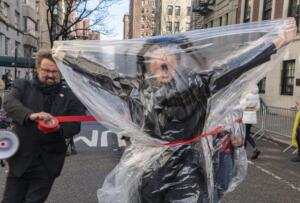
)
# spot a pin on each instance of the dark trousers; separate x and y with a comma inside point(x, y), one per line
point(32, 187)
point(298, 142)
point(248, 137)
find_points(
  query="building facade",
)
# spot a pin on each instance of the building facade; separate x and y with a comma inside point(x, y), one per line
point(280, 87)
point(18, 36)
point(173, 16)
point(213, 13)
point(142, 18)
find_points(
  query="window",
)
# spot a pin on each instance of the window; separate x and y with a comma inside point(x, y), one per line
point(177, 10)
point(287, 77)
point(262, 86)
point(267, 11)
point(176, 26)
point(292, 12)
point(37, 7)
point(37, 25)
point(170, 10)
point(227, 19)
point(17, 19)
point(6, 9)
point(143, 3)
point(6, 46)
point(17, 44)
point(153, 4)
point(211, 23)
point(169, 26)
point(189, 11)
point(188, 26)
point(29, 26)
point(247, 11)
point(220, 21)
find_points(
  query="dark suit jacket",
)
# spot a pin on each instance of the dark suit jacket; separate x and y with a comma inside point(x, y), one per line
point(25, 98)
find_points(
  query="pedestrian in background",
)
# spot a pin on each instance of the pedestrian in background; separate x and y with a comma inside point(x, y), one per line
point(250, 104)
point(296, 133)
point(40, 157)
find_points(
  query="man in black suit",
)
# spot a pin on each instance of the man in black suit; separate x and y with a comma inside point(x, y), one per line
point(40, 157)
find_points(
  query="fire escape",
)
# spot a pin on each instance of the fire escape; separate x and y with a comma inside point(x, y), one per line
point(204, 7)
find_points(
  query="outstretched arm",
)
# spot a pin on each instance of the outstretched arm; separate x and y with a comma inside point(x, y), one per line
point(224, 74)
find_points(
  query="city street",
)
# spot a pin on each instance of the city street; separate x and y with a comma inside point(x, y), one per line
point(272, 178)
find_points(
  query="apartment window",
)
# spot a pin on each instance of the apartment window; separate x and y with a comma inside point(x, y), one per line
point(6, 10)
point(189, 11)
point(177, 10)
point(220, 21)
point(17, 19)
point(37, 25)
point(262, 86)
point(153, 4)
point(6, 45)
point(188, 26)
point(29, 26)
point(267, 11)
point(227, 19)
point(176, 26)
point(287, 77)
point(292, 11)
point(37, 8)
point(17, 44)
point(170, 10)
point(143, 3)
point(169, 26)
point(247, 11)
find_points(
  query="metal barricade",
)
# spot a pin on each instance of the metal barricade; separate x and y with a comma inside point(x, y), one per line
point(277, 122)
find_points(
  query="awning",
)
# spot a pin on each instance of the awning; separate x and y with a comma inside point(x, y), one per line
point(9, 61)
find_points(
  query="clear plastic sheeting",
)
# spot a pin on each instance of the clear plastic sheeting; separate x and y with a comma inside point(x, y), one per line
point(177, 98)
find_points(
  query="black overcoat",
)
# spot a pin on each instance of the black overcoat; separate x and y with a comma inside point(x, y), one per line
point(26, 98)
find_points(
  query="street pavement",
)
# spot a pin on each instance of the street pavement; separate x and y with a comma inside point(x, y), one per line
point(271, 179)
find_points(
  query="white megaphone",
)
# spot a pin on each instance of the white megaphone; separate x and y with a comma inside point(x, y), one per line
point(9, 144)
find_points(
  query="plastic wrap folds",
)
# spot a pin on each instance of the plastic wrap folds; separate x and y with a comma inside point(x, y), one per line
point(177, 97)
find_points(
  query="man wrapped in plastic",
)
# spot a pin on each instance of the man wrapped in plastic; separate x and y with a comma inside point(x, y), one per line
point(176, 101)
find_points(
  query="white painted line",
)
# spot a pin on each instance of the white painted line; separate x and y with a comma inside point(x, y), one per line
point(275, 176)
point(104, 138)
point(91, 143)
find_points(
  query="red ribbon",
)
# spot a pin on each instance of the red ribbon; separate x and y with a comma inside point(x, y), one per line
point(52, 125)
point(49, 126)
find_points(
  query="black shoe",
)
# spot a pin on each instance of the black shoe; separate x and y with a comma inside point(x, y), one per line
point(255, 154)
point(295, 159)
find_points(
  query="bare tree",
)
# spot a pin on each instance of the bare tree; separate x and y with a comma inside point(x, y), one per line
point(63, 16)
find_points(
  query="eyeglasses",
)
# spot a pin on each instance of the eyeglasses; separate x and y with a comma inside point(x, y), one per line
point(47, 71)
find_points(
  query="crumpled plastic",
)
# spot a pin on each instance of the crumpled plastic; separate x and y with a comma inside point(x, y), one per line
point(177, 98)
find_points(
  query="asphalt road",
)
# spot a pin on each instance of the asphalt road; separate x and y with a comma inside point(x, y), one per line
point(271, 179)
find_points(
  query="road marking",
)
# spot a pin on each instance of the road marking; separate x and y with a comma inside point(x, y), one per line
point(104, 138)
point(91, 143)
point(291, 185)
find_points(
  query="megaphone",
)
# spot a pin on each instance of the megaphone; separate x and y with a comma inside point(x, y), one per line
point(9, 144)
